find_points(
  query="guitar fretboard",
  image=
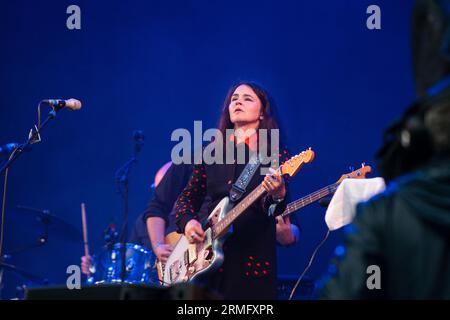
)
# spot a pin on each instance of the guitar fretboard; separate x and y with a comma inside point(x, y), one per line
point(313, 197)
point(234, 213)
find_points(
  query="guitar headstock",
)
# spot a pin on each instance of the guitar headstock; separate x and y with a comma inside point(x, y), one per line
point(293, 165)
point(357, 174)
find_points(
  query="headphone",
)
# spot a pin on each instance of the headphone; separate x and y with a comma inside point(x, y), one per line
point(407, 143)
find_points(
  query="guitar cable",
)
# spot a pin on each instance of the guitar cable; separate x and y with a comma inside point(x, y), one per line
point(309, 264)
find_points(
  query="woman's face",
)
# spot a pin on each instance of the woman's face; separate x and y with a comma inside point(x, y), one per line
point(245, 106)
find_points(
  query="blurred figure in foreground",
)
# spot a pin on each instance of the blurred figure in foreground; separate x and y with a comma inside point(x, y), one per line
point(400, 244)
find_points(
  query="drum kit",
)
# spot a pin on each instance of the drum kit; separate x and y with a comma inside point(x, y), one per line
point(119, 263)
point(140, 263)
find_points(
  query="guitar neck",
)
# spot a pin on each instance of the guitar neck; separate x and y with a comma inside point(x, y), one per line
point(313, 197)
point(234, 213)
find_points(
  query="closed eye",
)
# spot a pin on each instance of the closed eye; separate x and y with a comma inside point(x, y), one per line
point(247, 97)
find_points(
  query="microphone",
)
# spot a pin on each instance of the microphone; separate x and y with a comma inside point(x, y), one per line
point(138, 136)
point(58, 104)
point(6, 149)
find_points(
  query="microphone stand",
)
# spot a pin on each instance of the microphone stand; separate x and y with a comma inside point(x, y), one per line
point(122, 181)
point(33, 137)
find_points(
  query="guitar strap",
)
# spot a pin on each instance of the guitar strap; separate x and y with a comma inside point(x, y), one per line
point(239, 187)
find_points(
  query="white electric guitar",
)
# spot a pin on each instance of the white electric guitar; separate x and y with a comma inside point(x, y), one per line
point(189, 261)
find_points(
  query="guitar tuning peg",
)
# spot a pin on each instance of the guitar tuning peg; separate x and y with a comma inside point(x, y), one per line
point(363, 165)
point(351, 168)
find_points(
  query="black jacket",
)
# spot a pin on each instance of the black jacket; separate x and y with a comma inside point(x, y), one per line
point(406, 232)
point(249, 270)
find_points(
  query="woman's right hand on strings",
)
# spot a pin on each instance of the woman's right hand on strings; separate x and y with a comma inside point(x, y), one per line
point(86, 262)
point(194, 231)
point(163, 251)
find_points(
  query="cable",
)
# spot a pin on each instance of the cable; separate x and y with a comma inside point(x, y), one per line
point(21, 147)
point(309, 264)
point(5, 183)
point(3, 210)
point(39, 116)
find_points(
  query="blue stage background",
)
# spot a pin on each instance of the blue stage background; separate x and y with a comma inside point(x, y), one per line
point(160, 65)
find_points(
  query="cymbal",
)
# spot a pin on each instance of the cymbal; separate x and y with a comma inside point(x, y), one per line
point(24, 274)
point(47, 224)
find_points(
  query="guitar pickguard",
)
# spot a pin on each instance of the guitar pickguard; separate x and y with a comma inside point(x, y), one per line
point(188, 261)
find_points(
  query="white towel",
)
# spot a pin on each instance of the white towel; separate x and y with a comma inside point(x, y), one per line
point(342, 208)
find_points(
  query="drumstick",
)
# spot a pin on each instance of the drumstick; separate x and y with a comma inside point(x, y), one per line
point(85, 234)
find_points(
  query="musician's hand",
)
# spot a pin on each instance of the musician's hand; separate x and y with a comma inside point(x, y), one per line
point(194, 231)
point(86, 262)
point(287, 233)
point(274, 184)
point(163, 252)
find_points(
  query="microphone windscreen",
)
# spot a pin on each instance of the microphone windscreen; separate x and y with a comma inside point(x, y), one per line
point(73, 104)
